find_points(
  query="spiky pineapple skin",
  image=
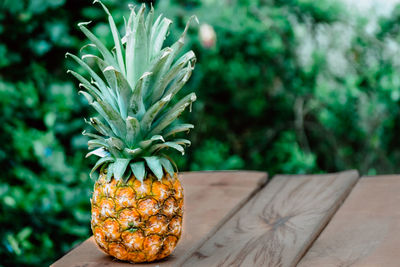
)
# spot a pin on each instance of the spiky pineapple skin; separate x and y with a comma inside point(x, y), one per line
point(137, 222)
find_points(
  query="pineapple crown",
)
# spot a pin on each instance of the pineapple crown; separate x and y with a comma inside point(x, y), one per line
point(132, 92)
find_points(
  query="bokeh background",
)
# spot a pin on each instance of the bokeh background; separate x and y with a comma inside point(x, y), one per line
point(284, 86)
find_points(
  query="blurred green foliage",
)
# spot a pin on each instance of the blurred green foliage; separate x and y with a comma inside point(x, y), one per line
point(294, 86)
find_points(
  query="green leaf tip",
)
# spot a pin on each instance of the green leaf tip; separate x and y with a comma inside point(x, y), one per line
point(139, 170)
point(154, 165)
point(84, 23)
point(120, 166)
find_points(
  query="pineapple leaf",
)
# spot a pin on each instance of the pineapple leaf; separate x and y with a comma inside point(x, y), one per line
point(110, 171)
point(102, 86)
point(85, 83)
point(155, 166)
point(100, 127)
point(128, 26)
point(103, 114)
point(136, 101)
point(117, 38)
point(170, 160)
point(168, 145)
point(120, 166)
point(159, 35)
point(112, 117)
point(167, 166)
point(156, 69)
point(139, 77)
point(173, 113)
point(116, 142)
point(88, 97)
point(177, 129)
point(180, 81)
point(100, 162)
point(110, 76)
point(92, 93)
point(93, 143)
point(114, 150)
point(108, 57)
point(154, 28)
point(136, 46)
point(175, 72)
point(139, 170)
point(149, 21)
point(157, 137)
point(100, 152)
point(187, 57)
point(184, 142)
point(153, 111)
point(177, 46)
point(123, 89)
point(141, 53)
point(132, 152)
point(127, 175)
point(92, 135)
point(146, 143)
point(86, 46)
point(132, 130)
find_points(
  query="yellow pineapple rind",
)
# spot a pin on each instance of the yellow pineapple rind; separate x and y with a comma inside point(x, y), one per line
point(137, 222)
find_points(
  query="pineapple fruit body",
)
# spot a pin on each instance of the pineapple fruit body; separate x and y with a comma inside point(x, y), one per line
point(137, 222)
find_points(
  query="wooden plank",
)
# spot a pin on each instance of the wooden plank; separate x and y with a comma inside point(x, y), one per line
point(210, 200)
point(277, 225)
point(366, 229)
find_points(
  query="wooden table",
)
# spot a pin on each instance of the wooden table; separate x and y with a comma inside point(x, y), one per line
point(239, 219)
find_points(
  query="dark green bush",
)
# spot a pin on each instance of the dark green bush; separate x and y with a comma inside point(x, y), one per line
point(295, 86)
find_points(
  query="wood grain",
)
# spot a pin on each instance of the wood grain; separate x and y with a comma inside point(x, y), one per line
point(210, 200)
point(276, 226)
point(366, 229)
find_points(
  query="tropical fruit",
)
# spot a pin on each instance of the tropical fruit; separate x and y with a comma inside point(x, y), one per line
point(137, 203)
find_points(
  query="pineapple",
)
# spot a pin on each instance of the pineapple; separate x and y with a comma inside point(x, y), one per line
point(137, 203)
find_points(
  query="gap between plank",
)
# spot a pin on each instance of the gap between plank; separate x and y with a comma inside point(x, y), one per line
point(334, 210)
point(262, 183)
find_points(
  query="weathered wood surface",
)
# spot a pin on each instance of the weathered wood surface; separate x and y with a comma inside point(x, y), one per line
point(276, 226)
point(210, 200)
point(366, 229)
